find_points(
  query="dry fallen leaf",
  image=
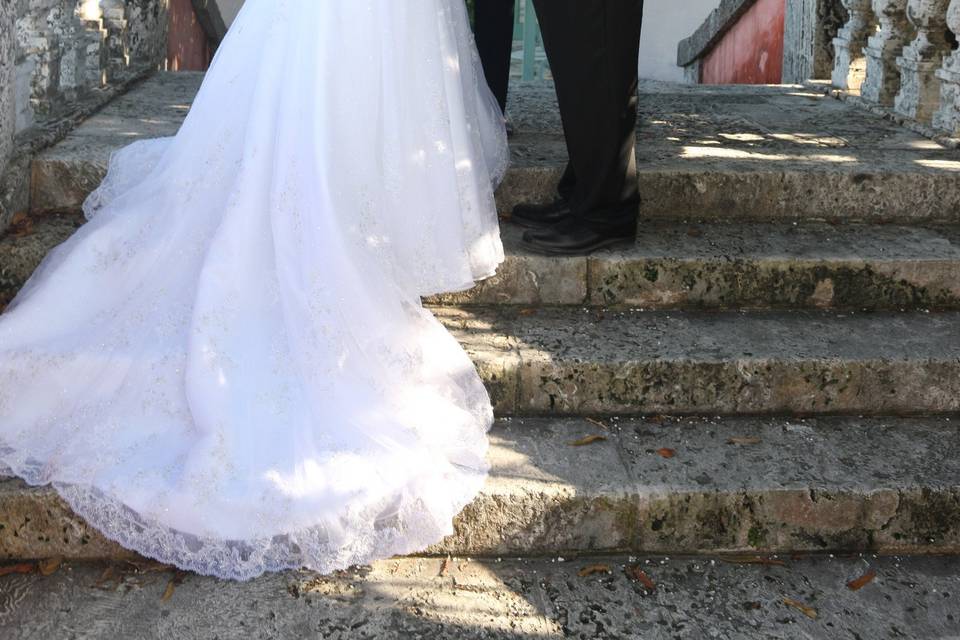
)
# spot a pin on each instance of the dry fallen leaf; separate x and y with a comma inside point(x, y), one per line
point(810, 612)
point(770, 562)
point(744, 441)
point(49, 566)
point(528, 312)
point(175, 581)
point(594, 569)
point(694, 232)
point(597, 423)
point(582, 442)
point(862, 581)
point(634, 572)
point(21, 224)
point(666, 453)
point(105, 577)
point(23, 567)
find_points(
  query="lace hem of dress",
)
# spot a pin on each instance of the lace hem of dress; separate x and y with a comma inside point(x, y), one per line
point(401, 525)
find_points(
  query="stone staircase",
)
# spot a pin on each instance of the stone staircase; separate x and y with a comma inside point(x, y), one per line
point(773, 368)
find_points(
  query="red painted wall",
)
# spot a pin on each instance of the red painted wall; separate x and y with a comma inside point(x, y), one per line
point(752, 51)
point(187, 46)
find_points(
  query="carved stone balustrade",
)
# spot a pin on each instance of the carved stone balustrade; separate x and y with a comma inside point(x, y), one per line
point(882, 82)
point(948, 116)
point(919, 95)
point(849, 66)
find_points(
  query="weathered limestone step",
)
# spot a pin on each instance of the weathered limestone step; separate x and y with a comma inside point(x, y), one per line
point(471, 599)
point(882, 485)
point(736, 265)
point(771, 153)
point(591, 361)
point(678, 266)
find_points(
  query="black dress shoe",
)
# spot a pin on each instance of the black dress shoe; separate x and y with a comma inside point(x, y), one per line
point(575, 238)
point(540, 216)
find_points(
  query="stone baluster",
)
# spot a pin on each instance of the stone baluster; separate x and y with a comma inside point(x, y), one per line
point(919, 95)
point(849, 67)
point(948, 116)
point(882, 82)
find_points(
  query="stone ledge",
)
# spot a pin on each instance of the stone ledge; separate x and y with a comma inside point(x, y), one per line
point(593, 361)
point(713, 28)
point(880, 485)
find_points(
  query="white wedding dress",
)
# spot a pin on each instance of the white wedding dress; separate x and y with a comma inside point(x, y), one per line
point(228, 367)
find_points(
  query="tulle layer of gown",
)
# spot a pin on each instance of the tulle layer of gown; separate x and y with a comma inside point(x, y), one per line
point(228, 367)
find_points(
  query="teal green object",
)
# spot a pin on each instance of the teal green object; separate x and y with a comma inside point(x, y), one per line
point(526, 29)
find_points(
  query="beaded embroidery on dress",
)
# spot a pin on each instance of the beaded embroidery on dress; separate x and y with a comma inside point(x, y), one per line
point(228, 367)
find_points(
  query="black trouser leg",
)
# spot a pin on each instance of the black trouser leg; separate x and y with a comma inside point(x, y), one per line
point(494, 35)
point(593, 47)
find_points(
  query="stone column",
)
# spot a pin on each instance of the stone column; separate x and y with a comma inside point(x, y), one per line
point(849, 66)
point(809, 29)
point(947, 116)
point(919, 93)
point(883, 48)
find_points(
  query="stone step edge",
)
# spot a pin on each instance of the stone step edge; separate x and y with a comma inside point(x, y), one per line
point(643, 278)
point(61, 185)
point(547, 497)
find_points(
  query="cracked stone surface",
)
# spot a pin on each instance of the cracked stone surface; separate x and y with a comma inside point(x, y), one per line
point(691, 598)
point(736, 485)
point(705, 152)
point(590, 361)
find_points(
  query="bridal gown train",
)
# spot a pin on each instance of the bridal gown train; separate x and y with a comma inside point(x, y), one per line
point(227, 367)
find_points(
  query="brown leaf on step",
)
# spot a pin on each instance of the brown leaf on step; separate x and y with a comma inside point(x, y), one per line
point(105, 577)
point(49, 566)
point(657, 419)
point(634, 572)
point(148, 566)
point(588, 440)
point(862, 581)
point(810, 612)
point(744, 441)
point(527, 312)
point(23, 567)
point(21, 224)
point(175, 582)
point(597, 423)
point(694, 232)
point(768, 562)
point(666, 453)
point(444, 567)
point(594, 569)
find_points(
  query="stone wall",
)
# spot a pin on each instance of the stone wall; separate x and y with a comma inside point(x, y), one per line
point(7, 107)
point(65, 48)
point(59, 60)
